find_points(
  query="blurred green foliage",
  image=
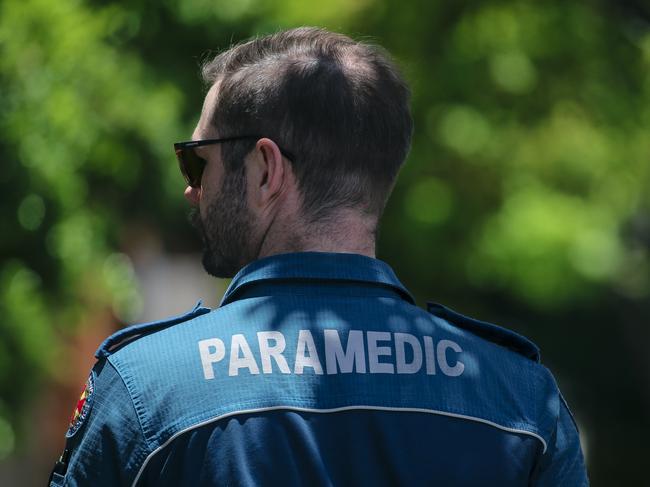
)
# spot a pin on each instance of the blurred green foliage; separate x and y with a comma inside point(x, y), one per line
point(524, 200)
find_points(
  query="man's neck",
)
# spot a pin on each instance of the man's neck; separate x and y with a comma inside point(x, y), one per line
point(347, 232)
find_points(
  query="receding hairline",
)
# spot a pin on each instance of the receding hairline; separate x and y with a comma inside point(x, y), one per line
point(350, 59)
point(205, 125)
point(349, 53)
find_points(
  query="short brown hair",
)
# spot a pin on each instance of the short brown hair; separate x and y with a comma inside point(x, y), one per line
point(339, 106)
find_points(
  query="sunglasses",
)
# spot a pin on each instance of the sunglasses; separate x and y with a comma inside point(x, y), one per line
point(192, 165)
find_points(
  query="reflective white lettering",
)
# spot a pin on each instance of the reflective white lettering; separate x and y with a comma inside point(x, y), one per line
point(345, 352)
point(374, 352)
point(353, 358)
point(267, 351)
point(404, 367)
point(239, 344)
point(429, 356)
point(443, 346)
point(306, 343)
point(211, 350)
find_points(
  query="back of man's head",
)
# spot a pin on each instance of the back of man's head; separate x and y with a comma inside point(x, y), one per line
point(339, 106)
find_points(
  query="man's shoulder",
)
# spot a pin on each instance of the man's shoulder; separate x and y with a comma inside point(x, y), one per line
point(502, 352)
point(509, 363)
point(119, 341)
point(504, 337)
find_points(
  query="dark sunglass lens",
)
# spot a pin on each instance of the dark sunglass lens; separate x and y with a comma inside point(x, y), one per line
point(181, 164)
point(191, 166)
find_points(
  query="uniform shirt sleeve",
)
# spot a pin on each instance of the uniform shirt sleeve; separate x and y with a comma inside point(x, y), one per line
point(563, 464)
point(110, 447)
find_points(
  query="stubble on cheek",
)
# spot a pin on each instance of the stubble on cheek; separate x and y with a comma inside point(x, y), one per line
point(225, 230)
point(194, 217)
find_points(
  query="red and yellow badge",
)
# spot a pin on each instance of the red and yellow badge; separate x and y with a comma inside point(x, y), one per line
point(83, 407)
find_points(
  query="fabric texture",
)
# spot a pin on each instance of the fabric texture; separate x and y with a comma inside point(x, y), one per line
point(318, 369)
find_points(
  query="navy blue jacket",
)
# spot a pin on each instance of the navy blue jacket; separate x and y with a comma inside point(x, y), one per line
point(318, 369)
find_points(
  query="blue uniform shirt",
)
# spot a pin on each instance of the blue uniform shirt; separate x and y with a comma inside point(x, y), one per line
point(318, 369)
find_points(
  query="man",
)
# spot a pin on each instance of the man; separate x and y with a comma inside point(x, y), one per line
point(317, 368)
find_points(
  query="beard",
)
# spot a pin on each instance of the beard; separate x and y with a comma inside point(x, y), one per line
point(226, 230)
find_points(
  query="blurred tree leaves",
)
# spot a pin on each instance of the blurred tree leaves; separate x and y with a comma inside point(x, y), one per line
point(525, 194)
point(523, 100)
point(79, 120)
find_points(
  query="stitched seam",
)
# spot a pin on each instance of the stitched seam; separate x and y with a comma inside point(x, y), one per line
point(325, 411)
point(315, 295)
point(238, 298)
point(534, 370)
point(301, 405)
point(136, 406)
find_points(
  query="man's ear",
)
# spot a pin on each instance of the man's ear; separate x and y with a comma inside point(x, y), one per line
point(267, 173)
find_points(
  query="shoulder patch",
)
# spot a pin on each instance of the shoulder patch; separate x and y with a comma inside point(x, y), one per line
point(496, 334)
point(84, 404)
point(126, 335)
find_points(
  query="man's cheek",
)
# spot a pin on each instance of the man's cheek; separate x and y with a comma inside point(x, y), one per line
point(194, 218)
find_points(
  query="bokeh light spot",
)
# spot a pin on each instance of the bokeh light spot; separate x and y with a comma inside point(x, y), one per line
point(513, 72)
point(119, 276)
point(7, 438)
point(597, 255)
point(464, 130)
point(31, 212)
point(429, 201)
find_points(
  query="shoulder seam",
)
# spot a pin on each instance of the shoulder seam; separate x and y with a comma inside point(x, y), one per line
point(134, 332)
point(137, 409)
point(499, 335)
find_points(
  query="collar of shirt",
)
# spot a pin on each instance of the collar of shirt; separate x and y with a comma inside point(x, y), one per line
point(317, 267)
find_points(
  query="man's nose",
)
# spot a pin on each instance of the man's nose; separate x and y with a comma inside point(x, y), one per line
point(192, 195)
